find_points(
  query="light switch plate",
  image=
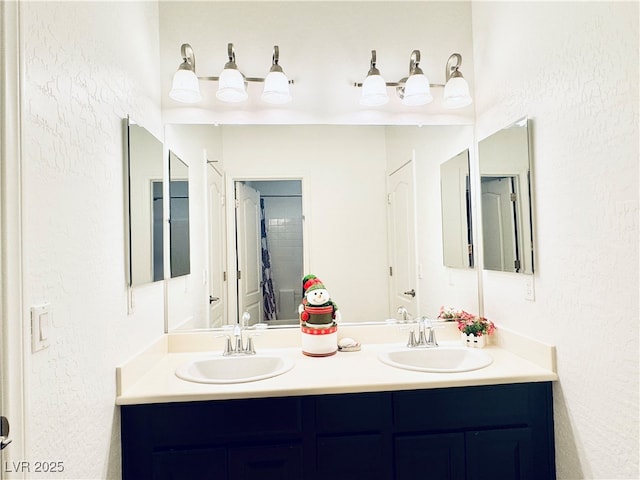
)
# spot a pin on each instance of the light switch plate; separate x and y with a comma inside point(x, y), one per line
point(529, 289)
point(40, 327)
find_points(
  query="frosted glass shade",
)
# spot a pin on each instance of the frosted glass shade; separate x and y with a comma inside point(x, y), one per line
point(417, 90)
point(456, 93)
point(185, 87)
point(231, 86)
point(276, 88)
point(374, 91)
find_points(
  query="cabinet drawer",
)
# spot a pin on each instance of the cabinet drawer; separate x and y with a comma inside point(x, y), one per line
point(364, 412)
point(453, 408)
point(198, 423)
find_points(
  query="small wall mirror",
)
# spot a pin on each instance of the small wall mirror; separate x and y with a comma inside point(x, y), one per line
point(457, 234)
point(505, 183)
point(144, 180)
point(179, 244)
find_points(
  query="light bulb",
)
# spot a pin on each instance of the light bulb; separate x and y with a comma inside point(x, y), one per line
point(185, 87)
point(231, 86)
point(276, 88)
point(374, 91)
point(456, 93)
point(417, 90)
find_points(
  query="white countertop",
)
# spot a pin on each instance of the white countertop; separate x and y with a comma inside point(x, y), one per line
point(150, 377)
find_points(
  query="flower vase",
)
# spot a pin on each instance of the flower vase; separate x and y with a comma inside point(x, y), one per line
point(473, 341)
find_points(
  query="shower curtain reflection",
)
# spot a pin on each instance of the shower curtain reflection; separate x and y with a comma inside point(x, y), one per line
point(281, 248)
point(268, 295)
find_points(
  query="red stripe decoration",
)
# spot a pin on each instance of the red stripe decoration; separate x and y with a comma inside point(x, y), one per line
point(319, 331)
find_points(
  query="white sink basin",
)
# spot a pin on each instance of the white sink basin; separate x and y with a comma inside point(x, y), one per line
point(439, 359)
point(234, 369)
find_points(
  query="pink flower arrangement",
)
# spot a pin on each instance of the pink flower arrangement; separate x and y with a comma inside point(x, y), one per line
point(468, 323)
point(476, 326)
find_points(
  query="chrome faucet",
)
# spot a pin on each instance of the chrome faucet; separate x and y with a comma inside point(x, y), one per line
point(404, 313)
point(426, 335)
point(237, 346)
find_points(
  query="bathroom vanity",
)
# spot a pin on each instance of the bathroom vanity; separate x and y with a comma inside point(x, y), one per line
point(347, 416)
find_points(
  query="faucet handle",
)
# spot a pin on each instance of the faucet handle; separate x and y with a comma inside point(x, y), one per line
point(250, 349)
point(412, 339)
point(228, 346)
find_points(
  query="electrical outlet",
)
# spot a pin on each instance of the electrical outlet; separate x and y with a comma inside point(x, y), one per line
point(529, 290)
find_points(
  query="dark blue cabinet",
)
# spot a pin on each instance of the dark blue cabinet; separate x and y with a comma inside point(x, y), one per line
point(473, 433)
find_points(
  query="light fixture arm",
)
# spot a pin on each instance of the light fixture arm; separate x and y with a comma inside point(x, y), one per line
point(274, 60)
point(372, 66)
point(414, 63)
point(232, 57)
point(188, 58)
point(232, 64)
point(452, 69)
point(414, 69)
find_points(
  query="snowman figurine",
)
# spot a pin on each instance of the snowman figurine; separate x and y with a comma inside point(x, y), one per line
point(317, 309)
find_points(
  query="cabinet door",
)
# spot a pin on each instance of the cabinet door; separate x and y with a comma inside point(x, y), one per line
point(438, 456)
point(505, 454)
point(365, 456)
point(266, 462)
point(206, 463)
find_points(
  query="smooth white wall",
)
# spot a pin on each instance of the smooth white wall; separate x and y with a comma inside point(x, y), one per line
point(187, 296)
point(343, 173)
point(573, 69)
point(85, 66)
point(433, 145)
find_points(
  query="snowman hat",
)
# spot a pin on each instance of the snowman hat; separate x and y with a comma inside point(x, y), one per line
point(308, 281)
point(314, 286)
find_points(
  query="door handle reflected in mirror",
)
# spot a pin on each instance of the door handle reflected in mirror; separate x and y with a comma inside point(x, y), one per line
point(4, 432)
point(411, 292)
point(213, 299)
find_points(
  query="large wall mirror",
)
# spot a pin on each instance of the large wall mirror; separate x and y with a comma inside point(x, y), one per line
point(144, 178)
point(338, 206)
point(455, 192)
point(505, 183)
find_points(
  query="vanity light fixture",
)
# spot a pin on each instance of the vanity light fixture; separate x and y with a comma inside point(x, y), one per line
point(232, 84)
point(415, 89)
point(456, 90)
point(185, 86)
point(374, 88)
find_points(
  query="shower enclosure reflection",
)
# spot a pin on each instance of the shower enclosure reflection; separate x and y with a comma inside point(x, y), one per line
point(269, 249)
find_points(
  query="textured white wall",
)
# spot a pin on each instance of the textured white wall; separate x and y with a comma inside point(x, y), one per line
point(573, 69)
point(85, 67)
